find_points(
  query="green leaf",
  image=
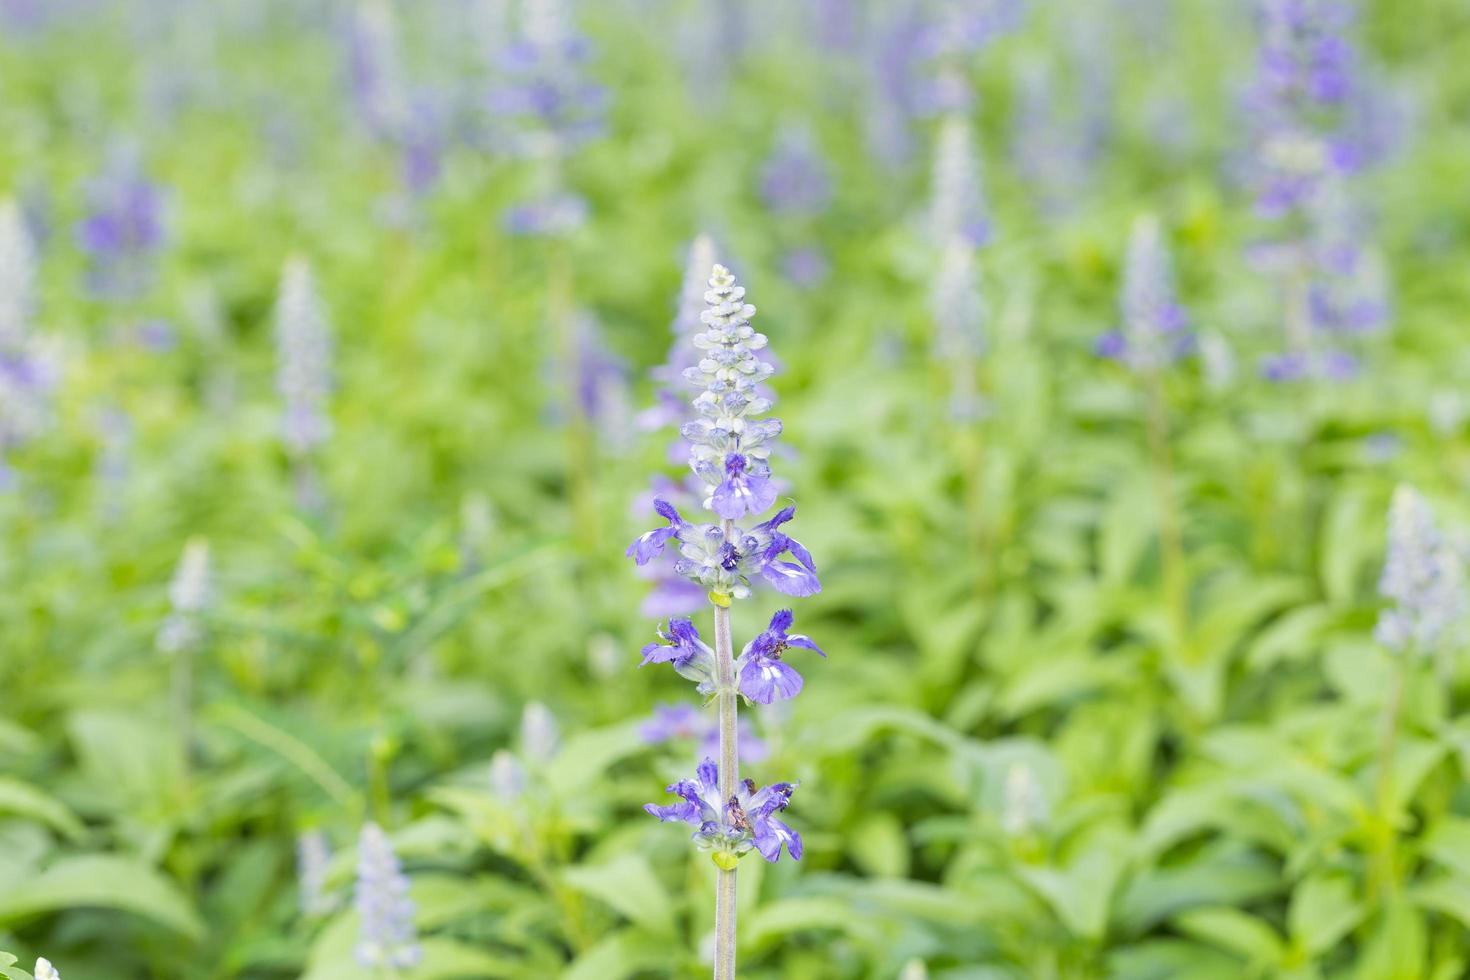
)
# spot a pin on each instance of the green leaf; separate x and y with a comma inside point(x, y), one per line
point(849, 730)
point(1346, 544)
point(25, 800)
point(628, 884)
point(1396, 947)
point(1323, 910)
point(1448, 842)
point(102, 881)
point(1081, 893)
point(290, 748)
point(1126, 528)
point(129, 760)
point(1233, 930)
point(620, 955)
point(586, 757)
point(1225, 875)
point(1171, 959)
point(1445, 895)
point(880, 847)
point(776, 920)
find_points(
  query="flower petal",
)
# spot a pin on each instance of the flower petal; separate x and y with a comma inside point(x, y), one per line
point(649, 544)
point(789, 579)
point(805, 642)
point(766, 681)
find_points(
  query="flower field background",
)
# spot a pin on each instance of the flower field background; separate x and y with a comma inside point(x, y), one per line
point(1126, 395)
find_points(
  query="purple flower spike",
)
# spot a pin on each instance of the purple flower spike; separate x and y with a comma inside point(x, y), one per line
point(764, 677)
point(745, 822)
point(1155, 328)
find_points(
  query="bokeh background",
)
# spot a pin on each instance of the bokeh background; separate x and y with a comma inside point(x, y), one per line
point(330, 334)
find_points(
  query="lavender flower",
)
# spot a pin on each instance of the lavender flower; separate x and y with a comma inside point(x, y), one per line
point(682, 647)
point(1048, 149)
point(730, 446)
point(957, 208)
point(507, 775)
point(806, 266)
point(303, 358)
point(183, 631)
point(725, 568)
point(690, 307)
point(1154, 328)
point(919, 65)
point(601, 379)
point(1424, 577)
point(672, 594)
point(540, 735)
point(387, 938)
point(124, 228)
point(957, 305)
point(1349, 292)
point(45, 971)
point(313, 860)
point(1333, 365)
point(1306, 76)
point(374, 69)
point(684, 721)
point(764, 676)
point(28, 366)
point(730, 828)
point(795, 180)
point(550, 215)
point(669, 408)
point(547, 94)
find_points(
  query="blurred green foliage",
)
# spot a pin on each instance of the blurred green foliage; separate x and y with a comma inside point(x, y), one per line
point(1207, 773)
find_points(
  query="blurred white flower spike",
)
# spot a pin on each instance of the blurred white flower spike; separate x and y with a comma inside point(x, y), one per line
point(188, 594)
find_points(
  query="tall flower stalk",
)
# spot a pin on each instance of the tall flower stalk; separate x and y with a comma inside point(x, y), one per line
point(28, 368)
point(1152, 335)
point(303, 376)
point(1424, 579)
point(729, 453)
point(181, 637)
point(387, 938)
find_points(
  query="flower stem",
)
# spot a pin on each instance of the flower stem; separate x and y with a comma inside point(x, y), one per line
point(729, 779)
point(1171, 546)
point(1386, 835)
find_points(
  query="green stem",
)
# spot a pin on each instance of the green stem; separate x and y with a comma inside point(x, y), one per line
point(729, 779)
point(1171, 545)
point(1385, 860)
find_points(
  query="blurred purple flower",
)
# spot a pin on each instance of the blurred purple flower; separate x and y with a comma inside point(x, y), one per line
point(1154, 329)
point(124, 229)
point(545, 94)
point(685, 722)
point(956, 198)
point(387, 938)
point(806, 267)
point(303, 360)
point(795, 178)
point(559, 214)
